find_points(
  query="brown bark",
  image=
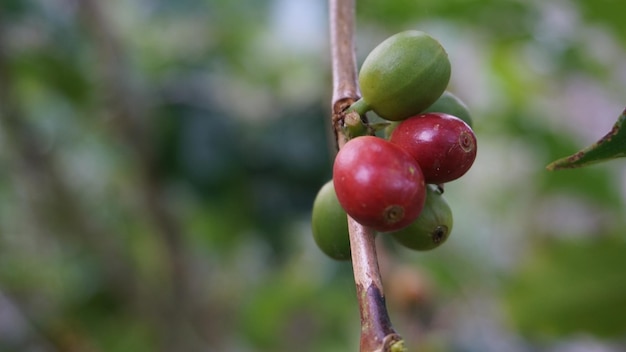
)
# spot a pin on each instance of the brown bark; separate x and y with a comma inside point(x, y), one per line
point(377, 333)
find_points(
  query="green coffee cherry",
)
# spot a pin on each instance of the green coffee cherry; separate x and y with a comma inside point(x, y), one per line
point(450, 104)
point(389, 129)
point(403, 75)
point(329, 224)
point(432, 227)
point(447, 103)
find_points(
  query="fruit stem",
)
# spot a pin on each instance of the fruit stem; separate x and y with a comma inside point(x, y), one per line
point(353, 126)
point(360, 107)
point(377, 333)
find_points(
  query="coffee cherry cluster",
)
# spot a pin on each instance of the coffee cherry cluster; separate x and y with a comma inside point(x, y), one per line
point(395, 184)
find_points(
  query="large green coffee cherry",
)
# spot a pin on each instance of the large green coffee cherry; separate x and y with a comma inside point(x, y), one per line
point(450, 104)
point(403, 75)
point(432, 227)
point(329, 224)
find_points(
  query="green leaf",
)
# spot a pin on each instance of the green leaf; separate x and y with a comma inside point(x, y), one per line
point(611, 146)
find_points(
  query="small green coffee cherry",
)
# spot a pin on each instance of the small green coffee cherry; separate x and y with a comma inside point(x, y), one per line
point(329, 224)
point(447, 103)
point(403, 75)
point(432, 228)
point(389, 129)
point(450, 104)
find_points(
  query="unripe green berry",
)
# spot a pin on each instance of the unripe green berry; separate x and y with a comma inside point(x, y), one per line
point(432, 228)
point(329, 224)
point(447, 103)
point(404, 75)
point(450, 104)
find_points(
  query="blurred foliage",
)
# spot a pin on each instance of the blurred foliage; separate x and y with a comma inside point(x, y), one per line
point(570, 287)
point(159, 160)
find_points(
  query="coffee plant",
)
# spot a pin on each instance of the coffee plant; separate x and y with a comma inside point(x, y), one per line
point(390, 185)
point(161, 162)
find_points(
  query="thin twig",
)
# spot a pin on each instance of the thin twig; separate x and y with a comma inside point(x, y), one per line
point(344, 72)
point(129, 116)
point(56, 207)
point(345, 79)
point(377, 333)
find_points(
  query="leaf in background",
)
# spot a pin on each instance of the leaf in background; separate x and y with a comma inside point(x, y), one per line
point(611, 146)
point(571, 287)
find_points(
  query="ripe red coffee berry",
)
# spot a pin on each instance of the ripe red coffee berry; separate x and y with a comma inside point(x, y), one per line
point(443, 145)
point(378, 184)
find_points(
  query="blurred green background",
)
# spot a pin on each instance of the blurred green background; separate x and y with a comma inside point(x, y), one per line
point(159, 159)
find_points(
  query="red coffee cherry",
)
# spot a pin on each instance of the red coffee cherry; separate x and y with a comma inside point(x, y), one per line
point(443, 145)
point(378, 184)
